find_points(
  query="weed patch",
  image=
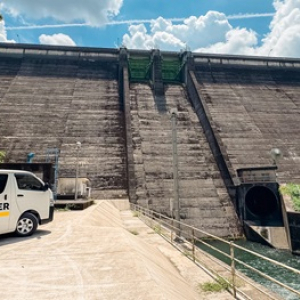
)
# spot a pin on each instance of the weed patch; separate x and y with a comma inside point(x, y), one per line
point(216, 286)
point(157, 229)
point(135, 214)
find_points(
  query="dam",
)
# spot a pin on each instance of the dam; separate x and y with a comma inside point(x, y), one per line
point(231, 111)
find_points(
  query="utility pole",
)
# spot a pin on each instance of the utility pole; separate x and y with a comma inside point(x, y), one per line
point(176, 206)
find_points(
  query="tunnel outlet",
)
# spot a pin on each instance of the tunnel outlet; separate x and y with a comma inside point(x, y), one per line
point(261, 201)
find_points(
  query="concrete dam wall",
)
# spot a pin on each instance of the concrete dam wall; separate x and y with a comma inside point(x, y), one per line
point(53, 103)
point(117, 104)
point(254, 106)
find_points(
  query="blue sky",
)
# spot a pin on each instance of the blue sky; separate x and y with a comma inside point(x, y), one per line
point(254, 27)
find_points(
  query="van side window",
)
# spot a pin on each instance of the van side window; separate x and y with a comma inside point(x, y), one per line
point(28, 182)
point(3, 181)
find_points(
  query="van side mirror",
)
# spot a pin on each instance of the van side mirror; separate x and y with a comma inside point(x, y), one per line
point(46, 187)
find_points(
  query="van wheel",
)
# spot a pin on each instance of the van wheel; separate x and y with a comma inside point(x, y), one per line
point(26, 225)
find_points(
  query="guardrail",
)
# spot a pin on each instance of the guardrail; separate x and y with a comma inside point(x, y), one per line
point(185, 237)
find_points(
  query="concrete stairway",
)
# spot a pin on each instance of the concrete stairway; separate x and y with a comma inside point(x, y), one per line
point(203, 198)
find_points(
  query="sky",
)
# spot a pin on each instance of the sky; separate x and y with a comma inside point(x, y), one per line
point(242, 27)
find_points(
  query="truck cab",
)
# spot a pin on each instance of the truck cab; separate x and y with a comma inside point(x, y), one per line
point(25, 202)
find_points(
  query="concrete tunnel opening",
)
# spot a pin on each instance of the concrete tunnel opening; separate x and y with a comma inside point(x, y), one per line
point(261, 201)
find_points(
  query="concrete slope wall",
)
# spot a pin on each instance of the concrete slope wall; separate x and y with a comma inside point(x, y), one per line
point(203, 198)
point(53, 103)
point(254, 108)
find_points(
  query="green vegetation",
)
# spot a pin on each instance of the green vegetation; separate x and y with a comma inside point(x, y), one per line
point(292, 190)
point(2, 153)
point(65, 208)
point(1, 18)
point(136, 214)
point(157, 228)
point(186, 253)
point(216, 286)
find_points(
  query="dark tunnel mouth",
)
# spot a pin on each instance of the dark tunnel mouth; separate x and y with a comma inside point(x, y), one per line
point(261, 201)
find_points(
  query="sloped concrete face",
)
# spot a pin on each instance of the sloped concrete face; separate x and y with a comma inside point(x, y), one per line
point(204, 200)
point(254, 108)
point(55, 103)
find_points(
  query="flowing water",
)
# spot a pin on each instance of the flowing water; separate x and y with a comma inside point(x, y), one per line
point(287, 277)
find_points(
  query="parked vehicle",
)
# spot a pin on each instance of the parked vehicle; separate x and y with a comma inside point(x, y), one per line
point(25, 202)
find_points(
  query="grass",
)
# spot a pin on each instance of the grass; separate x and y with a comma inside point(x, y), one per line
point(135, 214)
point(220, 284)
point(65, 208)
point(157, 228)
point(186, 253)
point(215, 286)
point(292, 190)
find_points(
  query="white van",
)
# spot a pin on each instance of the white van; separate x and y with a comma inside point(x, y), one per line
point(25, 202)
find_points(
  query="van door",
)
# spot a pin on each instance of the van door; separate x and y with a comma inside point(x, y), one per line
point(4, 203)
point(31, 195)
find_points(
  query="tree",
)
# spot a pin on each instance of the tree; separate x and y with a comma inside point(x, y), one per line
point(1, 18)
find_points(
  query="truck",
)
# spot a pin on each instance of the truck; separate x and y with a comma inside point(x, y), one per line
point(25, 202)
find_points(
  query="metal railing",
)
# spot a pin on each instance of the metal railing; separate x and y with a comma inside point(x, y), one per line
point(184, 237)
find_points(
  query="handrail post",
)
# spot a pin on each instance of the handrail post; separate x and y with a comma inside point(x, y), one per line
point(232, 269)
point(172, 224)
point(193, 237)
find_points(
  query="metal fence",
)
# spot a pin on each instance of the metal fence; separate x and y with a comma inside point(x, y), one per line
point(185, 237)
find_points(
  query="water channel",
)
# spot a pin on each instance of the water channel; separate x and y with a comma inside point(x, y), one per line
point(287, 277)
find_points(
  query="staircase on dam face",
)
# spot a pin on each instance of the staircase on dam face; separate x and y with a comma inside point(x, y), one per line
point(254, 109)
point(203, 198)
point(54, 104)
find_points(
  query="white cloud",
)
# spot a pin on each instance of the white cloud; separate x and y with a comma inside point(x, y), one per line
point(238, 41)
point(56, 39)
point(282, 40)
point(194, 32)
point(94, 12)
point(205, 30)
point(284, 36)
point(3, 35)
point(213, 33)
point(139, 39)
